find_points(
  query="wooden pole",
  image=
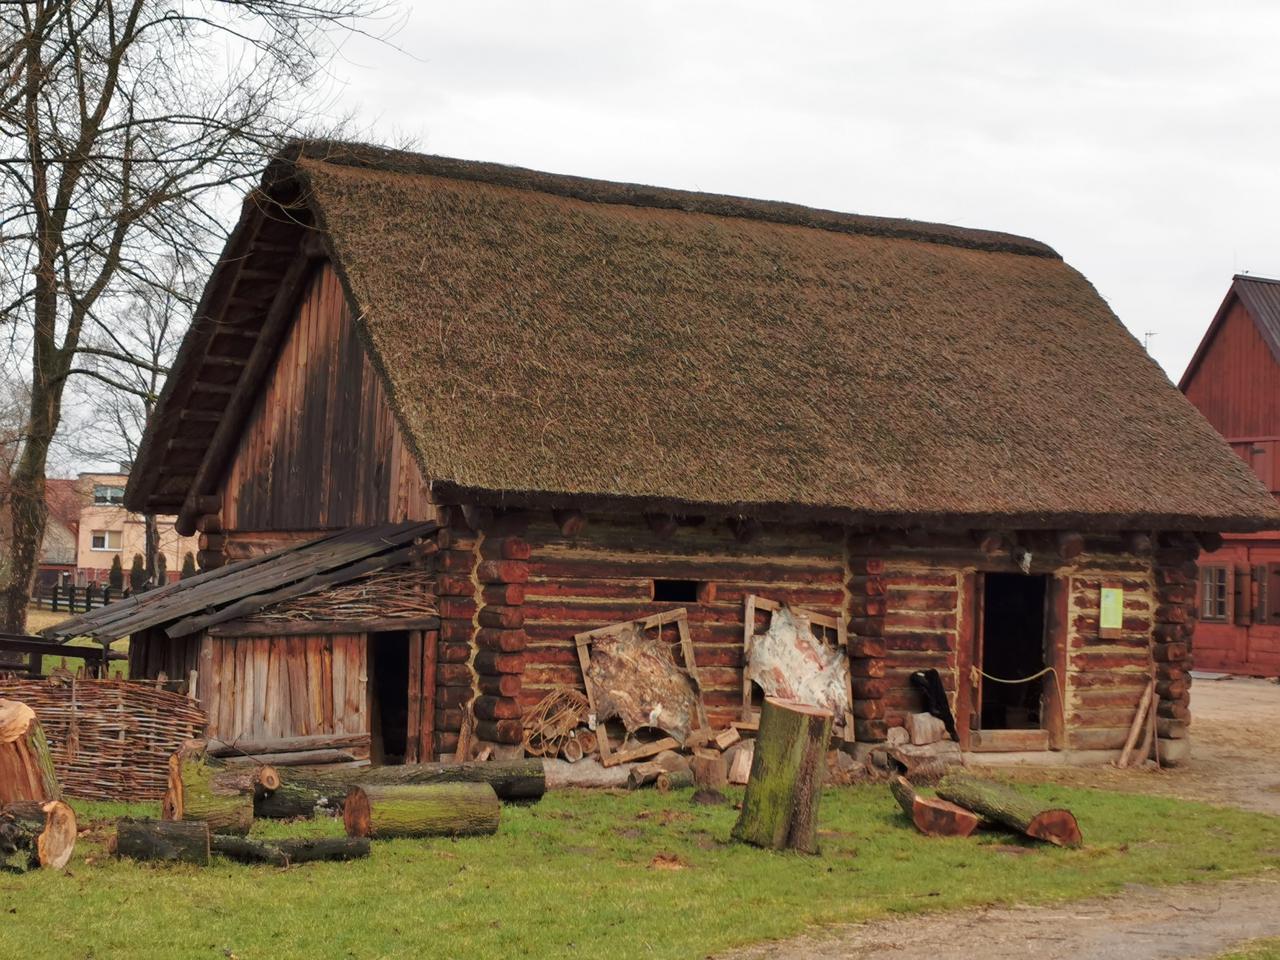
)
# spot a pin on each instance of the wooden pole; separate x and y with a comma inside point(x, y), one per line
point(26, 763)
point(780, 808)
point(1139, 718)
point(1004, 805)
point(421, 810)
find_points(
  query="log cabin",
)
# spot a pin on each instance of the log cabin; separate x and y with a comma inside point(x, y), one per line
point(1234, 380)
point(540, 404)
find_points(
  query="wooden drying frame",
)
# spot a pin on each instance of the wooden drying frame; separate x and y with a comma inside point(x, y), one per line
point(751, 717)
point(680, 617)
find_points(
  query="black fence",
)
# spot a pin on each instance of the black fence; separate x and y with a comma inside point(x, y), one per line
point(68, 598)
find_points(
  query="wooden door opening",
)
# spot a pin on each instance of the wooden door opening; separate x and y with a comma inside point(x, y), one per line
point(1011, 647)
point(389, 693)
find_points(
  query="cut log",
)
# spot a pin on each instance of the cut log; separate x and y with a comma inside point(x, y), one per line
point(780, 808)
point(739, 758)
point(421, 810)
point(26, 765)
point(35, 834)
point(302, 758)
point(673, 780)
point(1003, 805)
point(588, 773)
point(710, 773)
point(931, 816)
point(254, 748)
point(643, 774)
point(178, 841)
point(283, 853)
point(198, 791)
point(303, 789)
point(727, 738)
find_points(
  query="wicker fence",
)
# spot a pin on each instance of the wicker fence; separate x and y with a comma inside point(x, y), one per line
point(111, 739)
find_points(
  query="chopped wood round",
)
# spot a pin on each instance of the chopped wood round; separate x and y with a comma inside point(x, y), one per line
point(35, 834)
point(421, 810)
point(780, 807)
point(176, 841)
point(26, 763)
point(931, 816)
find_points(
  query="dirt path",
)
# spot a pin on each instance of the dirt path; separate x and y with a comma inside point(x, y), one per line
point(1143, 924)
point(1235, 761)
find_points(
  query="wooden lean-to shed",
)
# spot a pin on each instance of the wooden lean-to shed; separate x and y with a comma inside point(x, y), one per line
point(618, 401)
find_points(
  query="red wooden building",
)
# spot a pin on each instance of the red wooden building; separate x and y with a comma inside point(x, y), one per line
point(1234, 379)
point(571, 403)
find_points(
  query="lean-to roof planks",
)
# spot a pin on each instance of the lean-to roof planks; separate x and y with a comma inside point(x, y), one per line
point(549, 340)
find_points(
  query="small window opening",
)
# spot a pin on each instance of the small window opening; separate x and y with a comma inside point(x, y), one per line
point(675, 591)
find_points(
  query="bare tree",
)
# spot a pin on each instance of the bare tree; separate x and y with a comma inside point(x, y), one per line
point(120, 122)
point(125, 358)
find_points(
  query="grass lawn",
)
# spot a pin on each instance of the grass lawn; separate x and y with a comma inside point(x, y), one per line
point(1255, 950)
point(601, 875)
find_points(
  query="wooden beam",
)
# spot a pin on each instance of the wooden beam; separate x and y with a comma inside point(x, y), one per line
point(274, 328)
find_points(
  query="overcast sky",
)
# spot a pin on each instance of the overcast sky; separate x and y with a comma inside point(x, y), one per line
point(1137, 138)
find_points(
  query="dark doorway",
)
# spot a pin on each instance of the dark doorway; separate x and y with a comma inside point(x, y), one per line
point(1013, 641)
point(389, 709)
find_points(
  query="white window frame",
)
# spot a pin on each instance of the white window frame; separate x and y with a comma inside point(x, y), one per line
point(106, 541)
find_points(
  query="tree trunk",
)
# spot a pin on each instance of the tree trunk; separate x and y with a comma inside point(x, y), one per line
point(1004, 805)
point(303, 789)
point(28, 510)
point(283, 853)
point(198, 791)
point(35, 834)
point(932, 817)
point(780, 808)
point(175, 840)
point(710, 772)
point(26, 764)
point(421, 810)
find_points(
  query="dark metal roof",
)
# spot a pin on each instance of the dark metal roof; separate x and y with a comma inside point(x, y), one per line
point(243, 588)
point(1261, 297)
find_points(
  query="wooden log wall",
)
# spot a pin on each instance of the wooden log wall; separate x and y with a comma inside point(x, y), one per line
point(1106, 676)
point(605, 574)
point(1175, 621)
point(321, 448)
point(269, 687)
point(458, 591)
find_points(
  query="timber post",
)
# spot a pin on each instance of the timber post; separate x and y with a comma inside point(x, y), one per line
point(1175, 619)
point(866, 644)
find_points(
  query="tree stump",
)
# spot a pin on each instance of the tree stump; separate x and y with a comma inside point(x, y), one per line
point(780, 808)
point(26, 764)
point(933, 817)
point(197, 792)
point(34, 834)
point(176, 841)
point(1004, 805)
point(427, 810)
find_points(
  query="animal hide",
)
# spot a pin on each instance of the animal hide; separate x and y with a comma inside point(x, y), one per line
point(790, 663)
point(635, 679)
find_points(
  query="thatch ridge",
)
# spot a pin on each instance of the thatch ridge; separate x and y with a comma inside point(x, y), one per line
point(362, 156)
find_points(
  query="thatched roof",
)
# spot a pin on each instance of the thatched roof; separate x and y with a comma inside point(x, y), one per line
point(546, 339)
